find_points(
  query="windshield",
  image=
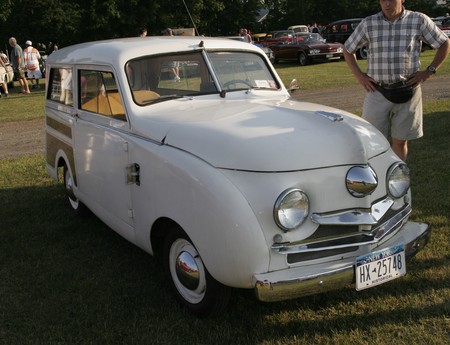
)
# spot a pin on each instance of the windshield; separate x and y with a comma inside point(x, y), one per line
point(160, 78)
point(313, 37)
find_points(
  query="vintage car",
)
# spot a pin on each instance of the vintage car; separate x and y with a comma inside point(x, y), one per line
point(192, 149)
point(445, 26)
point(279, 36)
point(340, 30)
point(305, 48)
point(299, 28)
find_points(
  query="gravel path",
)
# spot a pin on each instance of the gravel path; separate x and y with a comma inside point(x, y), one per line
point(26, 137)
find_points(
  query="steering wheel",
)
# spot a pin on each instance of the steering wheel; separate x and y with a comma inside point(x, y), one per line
point(235, 82)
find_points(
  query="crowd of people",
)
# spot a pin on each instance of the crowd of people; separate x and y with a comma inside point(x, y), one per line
point(21, 65)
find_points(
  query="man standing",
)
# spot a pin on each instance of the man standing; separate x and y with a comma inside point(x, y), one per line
point(31, 59)
point(18, 65)
point(393, 38)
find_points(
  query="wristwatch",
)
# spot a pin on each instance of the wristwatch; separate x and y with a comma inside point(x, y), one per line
point(431, 69)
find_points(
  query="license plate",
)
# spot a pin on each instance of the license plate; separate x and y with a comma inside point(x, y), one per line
point(380, 267)
point(329, 56)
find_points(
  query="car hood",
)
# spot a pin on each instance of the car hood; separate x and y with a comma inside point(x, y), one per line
point(266, 136)
point(322, 45)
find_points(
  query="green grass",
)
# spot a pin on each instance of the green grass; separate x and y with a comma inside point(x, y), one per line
point(70, 280)
point(336, 74)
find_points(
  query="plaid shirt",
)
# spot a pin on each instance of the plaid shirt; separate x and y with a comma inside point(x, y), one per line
point(394, 47)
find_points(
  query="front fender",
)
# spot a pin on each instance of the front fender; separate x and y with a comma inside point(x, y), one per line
point(208, 207)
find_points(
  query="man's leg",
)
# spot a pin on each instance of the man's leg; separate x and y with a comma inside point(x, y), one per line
point(400, 147)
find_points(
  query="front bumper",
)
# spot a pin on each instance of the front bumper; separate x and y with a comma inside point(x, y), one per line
point(302, 281)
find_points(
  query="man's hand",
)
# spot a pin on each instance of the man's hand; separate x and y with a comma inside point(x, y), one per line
point(366, 81)
point(418, 78)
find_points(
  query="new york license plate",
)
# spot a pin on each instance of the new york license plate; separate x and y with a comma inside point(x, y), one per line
point(380, 267)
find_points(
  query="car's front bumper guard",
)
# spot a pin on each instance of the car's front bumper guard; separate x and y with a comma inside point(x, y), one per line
point(302, 281)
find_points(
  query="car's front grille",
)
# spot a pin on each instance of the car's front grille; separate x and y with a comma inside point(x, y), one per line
point(332, 239)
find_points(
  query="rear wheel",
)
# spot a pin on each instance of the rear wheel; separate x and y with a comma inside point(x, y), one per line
point(191, 282)
point(69, 183)
point(302, 59)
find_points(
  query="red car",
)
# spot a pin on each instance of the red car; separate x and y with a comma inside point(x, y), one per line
point(305, 48)
point(275, 37)
point(445, 26)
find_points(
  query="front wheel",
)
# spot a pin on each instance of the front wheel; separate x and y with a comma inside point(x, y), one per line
point(302, 59)
point(191, 282)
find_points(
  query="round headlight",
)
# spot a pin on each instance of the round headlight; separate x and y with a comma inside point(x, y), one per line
point(291, 209)
point(398, 180)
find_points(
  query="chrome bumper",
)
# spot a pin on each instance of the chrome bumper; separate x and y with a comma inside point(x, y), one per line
point(303, 281)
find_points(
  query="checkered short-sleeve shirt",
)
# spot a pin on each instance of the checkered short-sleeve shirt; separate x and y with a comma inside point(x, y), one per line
point(394, 47)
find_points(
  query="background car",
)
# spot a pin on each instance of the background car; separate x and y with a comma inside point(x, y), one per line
point(307, 47)
point(299, 28)
point(445, 26)
point(340, 30)
point(279, 36)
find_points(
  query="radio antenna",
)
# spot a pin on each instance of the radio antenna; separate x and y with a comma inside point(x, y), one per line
point(187, 9)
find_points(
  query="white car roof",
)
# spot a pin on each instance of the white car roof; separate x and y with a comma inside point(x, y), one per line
point(118, 51)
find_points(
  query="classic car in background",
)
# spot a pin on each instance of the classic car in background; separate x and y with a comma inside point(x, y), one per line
point(305, 48)
point(299, 28)
point(340, 30)
point(279, 36)
point(192, 149)
point(266, 50)
point(445, 26)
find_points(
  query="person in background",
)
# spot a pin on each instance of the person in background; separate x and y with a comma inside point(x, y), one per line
point(3, 78)
point(31, 58)
point(173, 64)
point(18, 65)
point(143, 32)
point(247, 36)
point(393, 38)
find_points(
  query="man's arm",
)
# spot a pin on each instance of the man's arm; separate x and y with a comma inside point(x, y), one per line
point(363, 78)
point(439, 58)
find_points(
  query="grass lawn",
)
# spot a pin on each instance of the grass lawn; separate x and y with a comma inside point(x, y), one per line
point(70, 280)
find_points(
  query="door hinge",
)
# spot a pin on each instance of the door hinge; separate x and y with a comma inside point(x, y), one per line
point(133, 174)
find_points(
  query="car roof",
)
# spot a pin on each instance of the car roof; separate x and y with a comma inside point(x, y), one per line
point(346, 21)
point(119, 51)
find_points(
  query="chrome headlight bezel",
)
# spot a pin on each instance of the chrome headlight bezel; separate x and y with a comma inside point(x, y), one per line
point(361, 181)
point(291, 209)
point(398, 180)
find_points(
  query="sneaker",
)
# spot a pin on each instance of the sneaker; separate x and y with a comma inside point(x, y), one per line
point(176, 79)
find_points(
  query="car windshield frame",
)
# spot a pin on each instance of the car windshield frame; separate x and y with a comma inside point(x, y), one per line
point(159, 78)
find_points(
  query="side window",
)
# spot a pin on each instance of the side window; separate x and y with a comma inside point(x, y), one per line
point(99, 94)
point(61, 85)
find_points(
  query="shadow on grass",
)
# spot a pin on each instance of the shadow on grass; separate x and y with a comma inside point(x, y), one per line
point(65, 277)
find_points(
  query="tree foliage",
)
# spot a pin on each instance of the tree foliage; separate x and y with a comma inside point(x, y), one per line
point(73, 21)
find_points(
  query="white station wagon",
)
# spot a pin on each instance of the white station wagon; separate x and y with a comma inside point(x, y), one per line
point(192, 149)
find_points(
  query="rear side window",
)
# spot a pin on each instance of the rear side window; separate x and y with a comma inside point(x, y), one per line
point(61, 85)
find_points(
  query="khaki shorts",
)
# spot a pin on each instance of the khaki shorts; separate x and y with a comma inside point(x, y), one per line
point(400, 121)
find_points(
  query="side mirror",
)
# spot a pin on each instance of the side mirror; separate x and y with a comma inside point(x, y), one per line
point(293, 86)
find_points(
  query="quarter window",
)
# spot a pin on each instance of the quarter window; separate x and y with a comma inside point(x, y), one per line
point(61, 85)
